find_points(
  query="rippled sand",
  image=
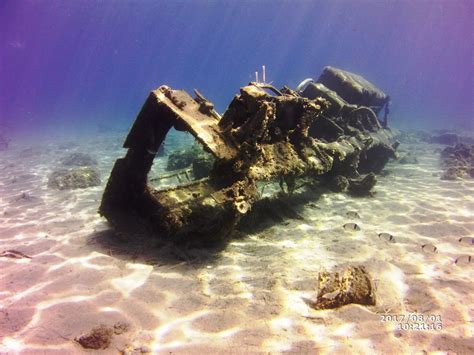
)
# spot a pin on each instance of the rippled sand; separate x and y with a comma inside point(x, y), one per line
point(248, 297)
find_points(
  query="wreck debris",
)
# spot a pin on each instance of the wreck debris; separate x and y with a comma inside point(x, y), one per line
point(279, 137)
point(351, 285)
point(181, 174)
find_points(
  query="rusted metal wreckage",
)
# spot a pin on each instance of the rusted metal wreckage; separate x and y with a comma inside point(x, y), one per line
point(323, 131)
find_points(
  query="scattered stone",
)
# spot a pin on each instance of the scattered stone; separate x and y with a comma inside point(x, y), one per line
point(453, 173)
point(461, 152)
point(458, 162)
point(98, 338)
point(121, 327)
point(78, 159)
point(351, 285)
point(78, 178)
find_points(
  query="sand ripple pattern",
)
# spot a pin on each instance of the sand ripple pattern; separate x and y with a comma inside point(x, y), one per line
point(246, 298)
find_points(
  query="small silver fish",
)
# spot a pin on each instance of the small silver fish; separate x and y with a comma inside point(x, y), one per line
point(352, 214)
point(429, 248)
point(387, 236)
point(351, 226)
point(466, 240)
point(464, 259)
point(14, 254)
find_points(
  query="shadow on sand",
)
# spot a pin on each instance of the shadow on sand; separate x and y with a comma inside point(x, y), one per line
point(156, 251)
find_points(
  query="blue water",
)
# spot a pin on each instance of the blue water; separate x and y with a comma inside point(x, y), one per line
point(80, 63)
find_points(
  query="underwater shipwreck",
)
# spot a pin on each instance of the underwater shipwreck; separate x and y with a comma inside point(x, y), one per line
point(325, 132)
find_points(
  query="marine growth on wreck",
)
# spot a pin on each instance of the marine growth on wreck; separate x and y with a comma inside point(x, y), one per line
point(326, 132)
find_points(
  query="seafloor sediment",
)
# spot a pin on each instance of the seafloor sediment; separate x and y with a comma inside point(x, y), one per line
point(251, 295)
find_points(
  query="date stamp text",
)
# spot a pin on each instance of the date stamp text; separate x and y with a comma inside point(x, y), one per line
point(414, 321)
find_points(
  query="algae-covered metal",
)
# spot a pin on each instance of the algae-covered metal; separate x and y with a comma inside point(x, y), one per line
point(262, 136)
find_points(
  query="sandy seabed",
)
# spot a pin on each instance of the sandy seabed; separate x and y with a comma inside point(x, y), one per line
point(248, 297)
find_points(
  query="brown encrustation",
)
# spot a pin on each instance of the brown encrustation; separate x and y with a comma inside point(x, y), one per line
point(261, 137)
